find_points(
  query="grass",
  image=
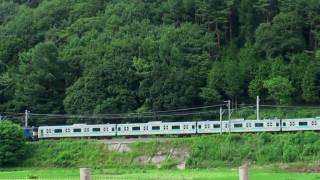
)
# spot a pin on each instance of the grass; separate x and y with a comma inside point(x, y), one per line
point(207, 151)
point(218, 174)
point(260, 149)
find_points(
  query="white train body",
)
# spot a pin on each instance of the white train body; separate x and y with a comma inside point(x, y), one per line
point(239, 125)
point(156, 128)
point(77, 130)
point(176, 128)
point(301, 124)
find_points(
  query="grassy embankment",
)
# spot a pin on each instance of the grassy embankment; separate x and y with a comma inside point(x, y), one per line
point(210, 156)
point(204, 151)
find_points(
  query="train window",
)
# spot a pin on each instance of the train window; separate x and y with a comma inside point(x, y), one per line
point(155, 127)
point(206, 126)
point(119, 129)
point(216, 126)
point(41, 132)
point(136, 128)
point(112, 129)
point(104, 129)
point(284, 124)
point(313, 123)
point(199, 126)
point(165, 127)
point(226, 125)
point(126, 128)
point(277, 124)
point(145, 128)
point(303, 123)
point(58, 131)
point(95, 129)
point(77, 130)
point(86, 129)
point(292, 123)
point(67, 130)
point(237, 125)
point(185, 126)
point(258, 125)
point(269, 124)
point(193, 126)
point(175, 127)
point(248, 124)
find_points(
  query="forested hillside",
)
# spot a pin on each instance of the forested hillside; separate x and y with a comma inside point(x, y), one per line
point(113, 56)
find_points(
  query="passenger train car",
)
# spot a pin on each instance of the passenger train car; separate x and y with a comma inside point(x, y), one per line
point(77, 130)
point(239, 125)
point(174, 128)
point(156, 128)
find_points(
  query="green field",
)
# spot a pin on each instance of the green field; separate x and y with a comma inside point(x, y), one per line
point(219, 174)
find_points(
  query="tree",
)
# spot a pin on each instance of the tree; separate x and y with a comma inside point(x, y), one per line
point(12, 143)
point(215, 15)
point(281, 37)
point(233, 79)
point(266, 8)
point(39, 81)
point(9, 51)
point(108, 88)
point(214, 89)
point(127, 56)
point(279, 89)
point(311, 83)
point(6, 91)
point(170, 88)
point(7, 10)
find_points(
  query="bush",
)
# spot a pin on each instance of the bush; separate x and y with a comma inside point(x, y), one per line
point(12, 143)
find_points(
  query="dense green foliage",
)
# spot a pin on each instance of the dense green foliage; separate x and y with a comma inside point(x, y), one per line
point(204, 151)
point(12, 143)
point(265, 148)
point(114, 56)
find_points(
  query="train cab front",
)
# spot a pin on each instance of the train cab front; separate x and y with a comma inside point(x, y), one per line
point(30, 133)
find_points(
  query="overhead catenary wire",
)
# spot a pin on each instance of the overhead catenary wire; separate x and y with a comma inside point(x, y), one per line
point(281, 106)
point(124, 116)
point(167, 113)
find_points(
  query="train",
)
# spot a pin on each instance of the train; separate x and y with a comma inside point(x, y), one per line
point(171, 128)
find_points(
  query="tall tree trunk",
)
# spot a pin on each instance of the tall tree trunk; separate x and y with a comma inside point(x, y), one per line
point(230, 25)
point(217, 35)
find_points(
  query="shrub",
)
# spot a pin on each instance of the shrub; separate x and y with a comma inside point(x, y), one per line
point(12, 143)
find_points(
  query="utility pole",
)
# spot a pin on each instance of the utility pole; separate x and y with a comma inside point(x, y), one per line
point(257, 107)
point(229, 114)
point(220, 120)
point(26, 118)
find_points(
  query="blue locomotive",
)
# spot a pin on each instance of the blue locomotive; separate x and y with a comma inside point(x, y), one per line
point(30, 133)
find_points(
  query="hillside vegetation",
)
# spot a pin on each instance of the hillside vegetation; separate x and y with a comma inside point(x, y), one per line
point(115, 56)
point(202, 152)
